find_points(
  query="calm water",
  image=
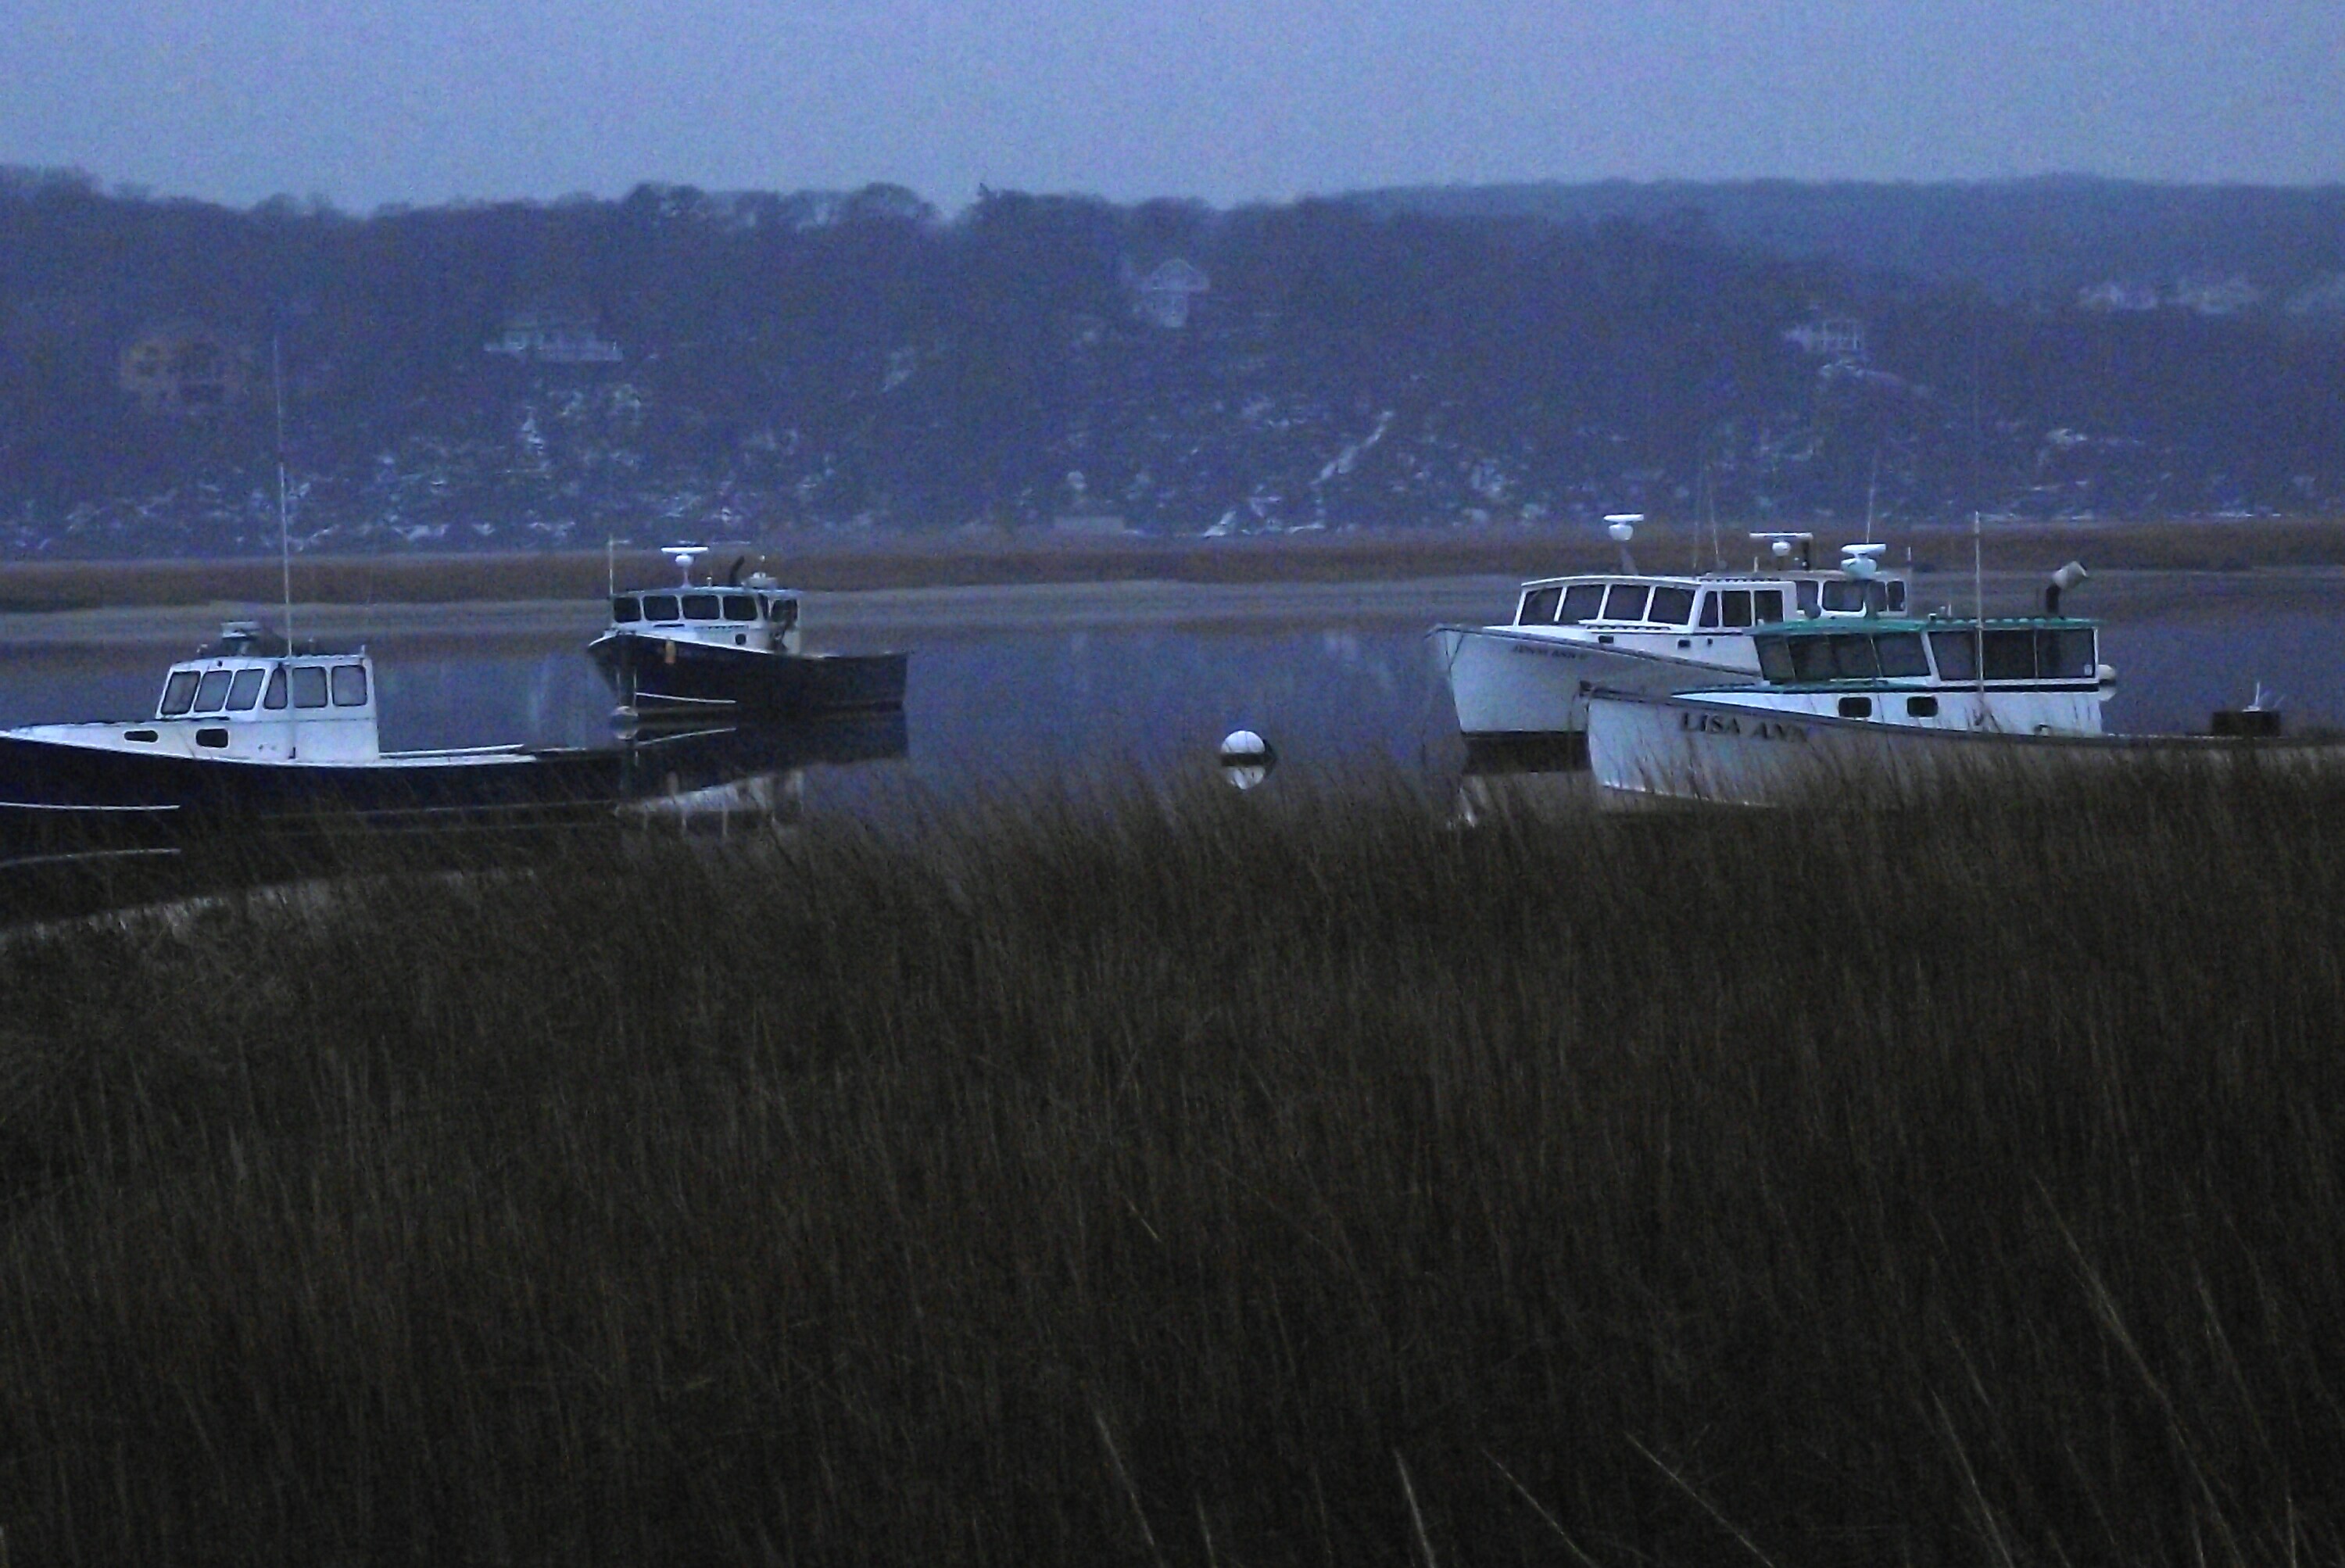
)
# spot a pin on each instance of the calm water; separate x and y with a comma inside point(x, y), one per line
point(984, 712)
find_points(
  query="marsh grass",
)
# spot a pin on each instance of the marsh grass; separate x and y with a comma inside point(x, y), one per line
point(1192, 1179)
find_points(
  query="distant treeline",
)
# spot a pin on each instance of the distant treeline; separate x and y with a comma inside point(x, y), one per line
point(2041, 239)
point(683, 361)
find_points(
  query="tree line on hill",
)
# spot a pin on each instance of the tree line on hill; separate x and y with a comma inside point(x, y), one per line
point(687, 363)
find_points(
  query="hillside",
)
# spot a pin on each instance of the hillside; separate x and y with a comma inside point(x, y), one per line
point(682, 363)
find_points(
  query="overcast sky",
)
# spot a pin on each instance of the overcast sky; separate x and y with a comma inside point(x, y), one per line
point(373, 101)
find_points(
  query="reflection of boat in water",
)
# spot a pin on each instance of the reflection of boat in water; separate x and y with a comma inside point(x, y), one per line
point(254, 731)
point(749, 775)
point(1520, 688)
point(705, 648)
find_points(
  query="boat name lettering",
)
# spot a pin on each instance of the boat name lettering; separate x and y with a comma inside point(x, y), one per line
point(1732, 724)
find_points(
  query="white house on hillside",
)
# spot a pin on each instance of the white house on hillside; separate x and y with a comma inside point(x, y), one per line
point(1163, 296)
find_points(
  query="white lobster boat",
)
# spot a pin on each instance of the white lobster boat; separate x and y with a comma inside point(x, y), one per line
point(1891, 703)
point(1520, 688)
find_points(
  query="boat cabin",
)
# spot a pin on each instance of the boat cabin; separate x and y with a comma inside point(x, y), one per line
point(1718, 601)
point(1704, 604)
point(250, 697)
point(754, 612)
point(2033, 652)
point(758, 617)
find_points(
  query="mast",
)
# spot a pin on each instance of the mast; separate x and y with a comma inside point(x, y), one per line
point(1978, 607)
point(284, 526)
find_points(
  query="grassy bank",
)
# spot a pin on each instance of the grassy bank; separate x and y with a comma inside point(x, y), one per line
point(835, 563)
point(1222, 1180)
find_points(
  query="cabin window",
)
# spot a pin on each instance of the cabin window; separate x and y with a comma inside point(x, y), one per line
point(2064, 655)
point(1811, 658)
point(1856, 707)
point(1844, 595)
point(1735, 608)
point(211, 738)
point(244, 690)
point(1775, 661)
point(1582, 601)
point(1710, 609)
point(1921, 707)
point(1956, 652)
point(661, 607)
point(1805, 589)
point(627, 608)
point(1538, 607)
point(349, 685)
point(1853, 658)
point(275, 695)
point(1901, 654)
point(1626, 602)
point(2011, 656)
point(1766, 605)
point(1671, 606)
point(785, 613)
point(213, 691)
point(1894, 590)
point(308, 686)
point(178, 693)
point(147, 735)
point(740, 607)
point(700, 607)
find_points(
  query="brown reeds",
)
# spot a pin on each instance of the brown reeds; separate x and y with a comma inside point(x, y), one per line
point(1286, 1178)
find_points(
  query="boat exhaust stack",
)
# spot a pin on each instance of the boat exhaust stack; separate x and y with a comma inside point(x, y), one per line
point(2066, 577)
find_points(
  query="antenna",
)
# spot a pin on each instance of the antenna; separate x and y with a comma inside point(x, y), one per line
point(1872, 486)
point(1978, 605)
point(284, 527)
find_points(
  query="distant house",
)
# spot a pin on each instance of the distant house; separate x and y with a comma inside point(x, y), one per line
point(2218, 297)
point(187, 368)
point(555, 338)
point(1162, 297)
point(1829, 337)
point(2116, 296)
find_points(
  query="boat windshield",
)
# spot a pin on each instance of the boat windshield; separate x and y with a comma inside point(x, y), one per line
point(1671, 606)
point(626, 607)
point(1582, 601)
point(178, 693)
point(1845, 656)
point(1626, 602)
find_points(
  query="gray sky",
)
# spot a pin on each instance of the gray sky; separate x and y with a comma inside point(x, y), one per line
point(370, 101)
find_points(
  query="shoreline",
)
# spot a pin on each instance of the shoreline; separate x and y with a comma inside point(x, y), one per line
point(869, 617)
point(826, 565)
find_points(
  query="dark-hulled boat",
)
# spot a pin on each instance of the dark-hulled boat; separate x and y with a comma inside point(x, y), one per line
point(735, 647)
point(254, 731)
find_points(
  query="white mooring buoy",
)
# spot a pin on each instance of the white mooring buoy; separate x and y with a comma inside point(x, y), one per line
point(1246, 759)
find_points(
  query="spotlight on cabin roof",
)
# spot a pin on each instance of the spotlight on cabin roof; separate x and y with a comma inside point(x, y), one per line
point(1622, 526)
point(1246, 759)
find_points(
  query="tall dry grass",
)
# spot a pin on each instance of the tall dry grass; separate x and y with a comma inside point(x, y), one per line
point(1207, 1180)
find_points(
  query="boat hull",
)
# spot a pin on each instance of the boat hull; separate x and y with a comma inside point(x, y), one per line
point(670, 676)
point(56, 796)
point(1512, 689)
point(1663, 748)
